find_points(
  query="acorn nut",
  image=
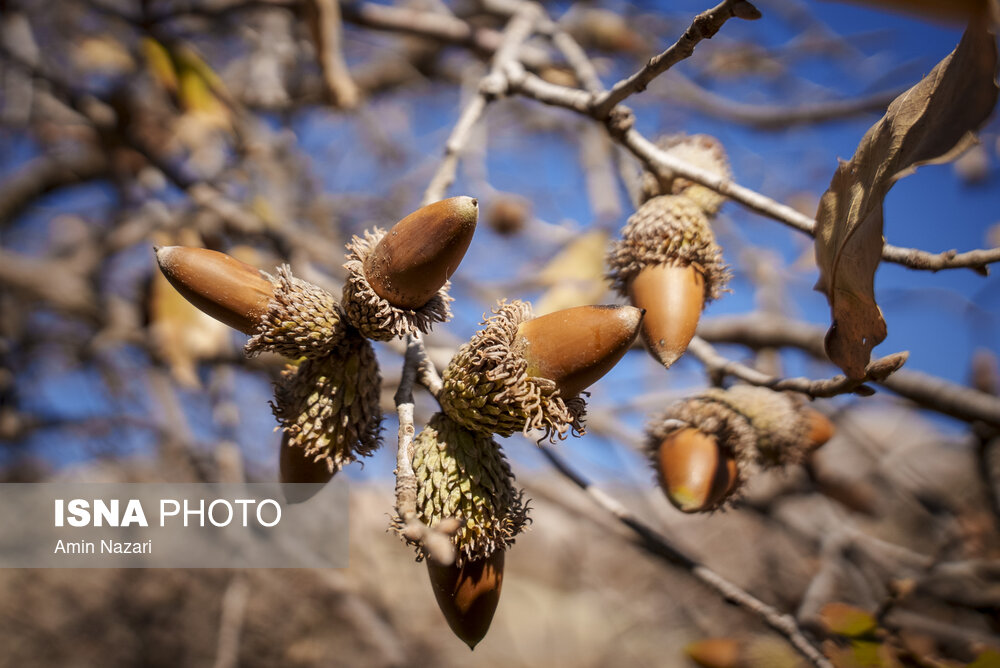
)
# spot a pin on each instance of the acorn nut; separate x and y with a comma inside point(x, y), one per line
point(468, 595)
point(230, 291)
point(667, 262)
point(302, 476)
point(520, 373)
point(696, 474)
point(575, 347)
point(398, 280)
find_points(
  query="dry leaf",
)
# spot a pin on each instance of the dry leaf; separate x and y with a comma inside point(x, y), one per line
point(930, 122)
point(846, 620)
point(575, 276)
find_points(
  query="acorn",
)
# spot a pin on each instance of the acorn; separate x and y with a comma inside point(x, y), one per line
point(695, 473)
point(576, 346)
point(283, 314)
point(230, 291)
point(464, 476)
point(519, 374)
point(468, 594)
point(667, 261)
point(508, 214)
point(302, 476)
point(397, 281)
point(329, 406)
point(703, 448)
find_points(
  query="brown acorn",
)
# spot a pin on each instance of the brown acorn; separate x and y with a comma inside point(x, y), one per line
point(668, 263)
point(468, 594)
point(575, 347)
point(230, 291)
point(508, 214)
point(696, 474)
point(676, 297)
point(299, 470)
point(421, 252)
point(517, 376)
point(398, 280)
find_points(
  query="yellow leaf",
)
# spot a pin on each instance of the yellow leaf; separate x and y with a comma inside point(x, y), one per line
point(161, 66)
point(581, 259)
point(846, 620)
point(930, 122)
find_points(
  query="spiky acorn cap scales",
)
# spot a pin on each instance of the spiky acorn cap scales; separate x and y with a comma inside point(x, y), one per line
point(376, 317)
point(330, 405)
point(755, 425)
point(777, 418)
point(667, 230)
point(487, 388)
point(464, 475)
point(302, 320)
point(702, 151)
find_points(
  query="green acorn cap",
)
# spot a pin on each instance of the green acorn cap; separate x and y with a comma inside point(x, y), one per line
point(487, 388)
point(376, 317)
point(701, 151)
point(330, 405)
point(667, 230)
point(465, 476)
point(302, 320)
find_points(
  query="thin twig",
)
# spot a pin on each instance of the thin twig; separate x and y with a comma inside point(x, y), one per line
point(719, 366)
point(657, 544)
point(327, 33)
point(660, 161)
point(518, 30)
point(437, 544)
point(704, 26)
point(234, 606)
point(930, 392)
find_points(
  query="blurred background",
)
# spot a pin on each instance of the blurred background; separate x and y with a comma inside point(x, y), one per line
point(274, 130)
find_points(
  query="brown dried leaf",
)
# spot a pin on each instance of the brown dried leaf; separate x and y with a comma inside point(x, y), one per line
point(929, 123)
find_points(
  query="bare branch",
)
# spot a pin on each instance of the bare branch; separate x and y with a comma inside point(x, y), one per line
point(436, 543)
point(518, 30)
point(927, 391)
point(719, 366)
point(324, 20)
point(704, 26)
point(657, 544)
point(659, 161)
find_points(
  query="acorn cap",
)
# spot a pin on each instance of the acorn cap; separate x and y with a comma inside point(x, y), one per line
point(420, 253)
point(464, 476)
point(668, 230)
point(696, 474)
point(302, 320)
point(487, 387)
point(673, 298)
point(375, 317)
point(575, 347)
point(302, 476)
point(777, 418)
point(230, 291)
point(468, 594)
point(702, 151)
point(329, 406)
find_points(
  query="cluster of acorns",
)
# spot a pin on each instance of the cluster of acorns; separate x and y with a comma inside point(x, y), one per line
point(669, 264)
point(519, 373)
